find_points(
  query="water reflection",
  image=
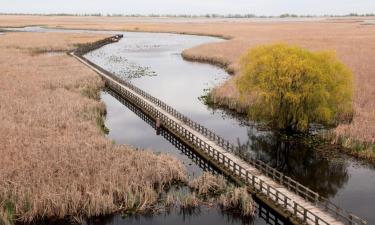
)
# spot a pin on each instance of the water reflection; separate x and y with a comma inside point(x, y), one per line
point(171, 138)
point(197, 164)
point(181, 83)
point(198, 216)
point(299, 160)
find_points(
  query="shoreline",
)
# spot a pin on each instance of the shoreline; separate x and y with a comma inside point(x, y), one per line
point(169, 32)
point(222, 102)
point(356, 148)
point(73, 171)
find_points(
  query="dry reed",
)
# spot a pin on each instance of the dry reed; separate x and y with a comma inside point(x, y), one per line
point(211, 190)
point(238, 199)
point(54, 161)
point(352, 41)
point(208, 184)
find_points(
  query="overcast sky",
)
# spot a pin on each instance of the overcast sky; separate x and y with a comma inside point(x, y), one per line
point(258, 7)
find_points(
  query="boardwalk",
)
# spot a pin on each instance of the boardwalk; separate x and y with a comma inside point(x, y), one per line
point(292, 200)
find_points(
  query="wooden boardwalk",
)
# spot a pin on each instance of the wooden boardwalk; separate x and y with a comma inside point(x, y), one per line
point(289, 198)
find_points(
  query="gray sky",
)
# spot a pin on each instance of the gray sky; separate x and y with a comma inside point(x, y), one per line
point(258, 7)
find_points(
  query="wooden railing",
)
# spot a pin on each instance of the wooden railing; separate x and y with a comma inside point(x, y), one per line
point(138, 97)
point(249, 178)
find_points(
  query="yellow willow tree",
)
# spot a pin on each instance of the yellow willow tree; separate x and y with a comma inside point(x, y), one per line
point(291, 87)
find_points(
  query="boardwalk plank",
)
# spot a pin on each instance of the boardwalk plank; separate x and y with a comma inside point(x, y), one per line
point(311, 208)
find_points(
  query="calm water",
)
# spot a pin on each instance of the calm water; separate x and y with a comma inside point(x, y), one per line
point(153, 62)
point(202, 215)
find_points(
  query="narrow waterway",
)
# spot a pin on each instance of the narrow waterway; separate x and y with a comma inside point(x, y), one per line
point(153, 62)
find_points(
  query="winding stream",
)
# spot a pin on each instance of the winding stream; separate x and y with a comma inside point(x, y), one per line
point(167, 76)
point(153, 62)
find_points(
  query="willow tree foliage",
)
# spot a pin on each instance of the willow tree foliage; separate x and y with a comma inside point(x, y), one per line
point(292, 87)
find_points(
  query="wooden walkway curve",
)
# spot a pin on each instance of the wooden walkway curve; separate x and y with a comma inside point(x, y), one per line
point(286, 196)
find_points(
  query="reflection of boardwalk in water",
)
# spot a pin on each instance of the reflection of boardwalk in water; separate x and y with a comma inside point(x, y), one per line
point(288, 197)
point(263, 211)
point(186, 150)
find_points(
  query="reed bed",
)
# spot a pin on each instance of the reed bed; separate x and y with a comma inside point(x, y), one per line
point(212, 190)
point(352, 41)
point(55, 162)
point(238, 199)
point(208, 184)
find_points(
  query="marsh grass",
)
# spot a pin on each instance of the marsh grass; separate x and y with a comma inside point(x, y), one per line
point(44, 50)
point(188, 201)
point(217, 61)
point(208, 185)
point(353, 43)
point(211, 190)
point(359, 149)
point(238, 199)
point(55, 164)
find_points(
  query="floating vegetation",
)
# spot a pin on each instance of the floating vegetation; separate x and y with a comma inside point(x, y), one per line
point(117, 59)
point(238, 199)
point(209, 185)
point(206, 98)
point(210, 190)
point(140, 47)
point(122, 67)
point(134, 70)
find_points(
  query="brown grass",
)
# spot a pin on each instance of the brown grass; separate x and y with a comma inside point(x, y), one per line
point(212, 190)
point(238, 199)
point(353, 42)
point(208, 184)
point(54, 161)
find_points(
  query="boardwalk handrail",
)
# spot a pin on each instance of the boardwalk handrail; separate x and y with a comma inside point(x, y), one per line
point(258, 184)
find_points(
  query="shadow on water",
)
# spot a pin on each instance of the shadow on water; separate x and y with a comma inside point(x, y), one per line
point(346, 182)
point(203, 215)
point(171, 138)
point(199, 216)
point(299, 160)
point(181, 84)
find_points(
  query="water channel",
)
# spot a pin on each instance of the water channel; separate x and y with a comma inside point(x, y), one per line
point(153, 62)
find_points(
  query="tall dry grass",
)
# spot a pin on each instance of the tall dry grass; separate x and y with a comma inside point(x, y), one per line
point(212, 190)
point(352, 41)
point(54, 161)
point(208, 184)
point(238, 199)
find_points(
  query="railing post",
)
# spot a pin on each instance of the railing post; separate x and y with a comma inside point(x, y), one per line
point(136, 96)
point(297, 189)
point(277, 197)
point(285, 203)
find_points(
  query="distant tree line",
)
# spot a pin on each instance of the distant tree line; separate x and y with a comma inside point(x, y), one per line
point(286, 15)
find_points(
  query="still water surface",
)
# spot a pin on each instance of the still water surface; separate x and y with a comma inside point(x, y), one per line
point(153, 62)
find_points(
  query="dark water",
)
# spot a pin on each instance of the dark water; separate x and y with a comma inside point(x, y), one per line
point(200, 216)
point(153, 62)
point(168, 143)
